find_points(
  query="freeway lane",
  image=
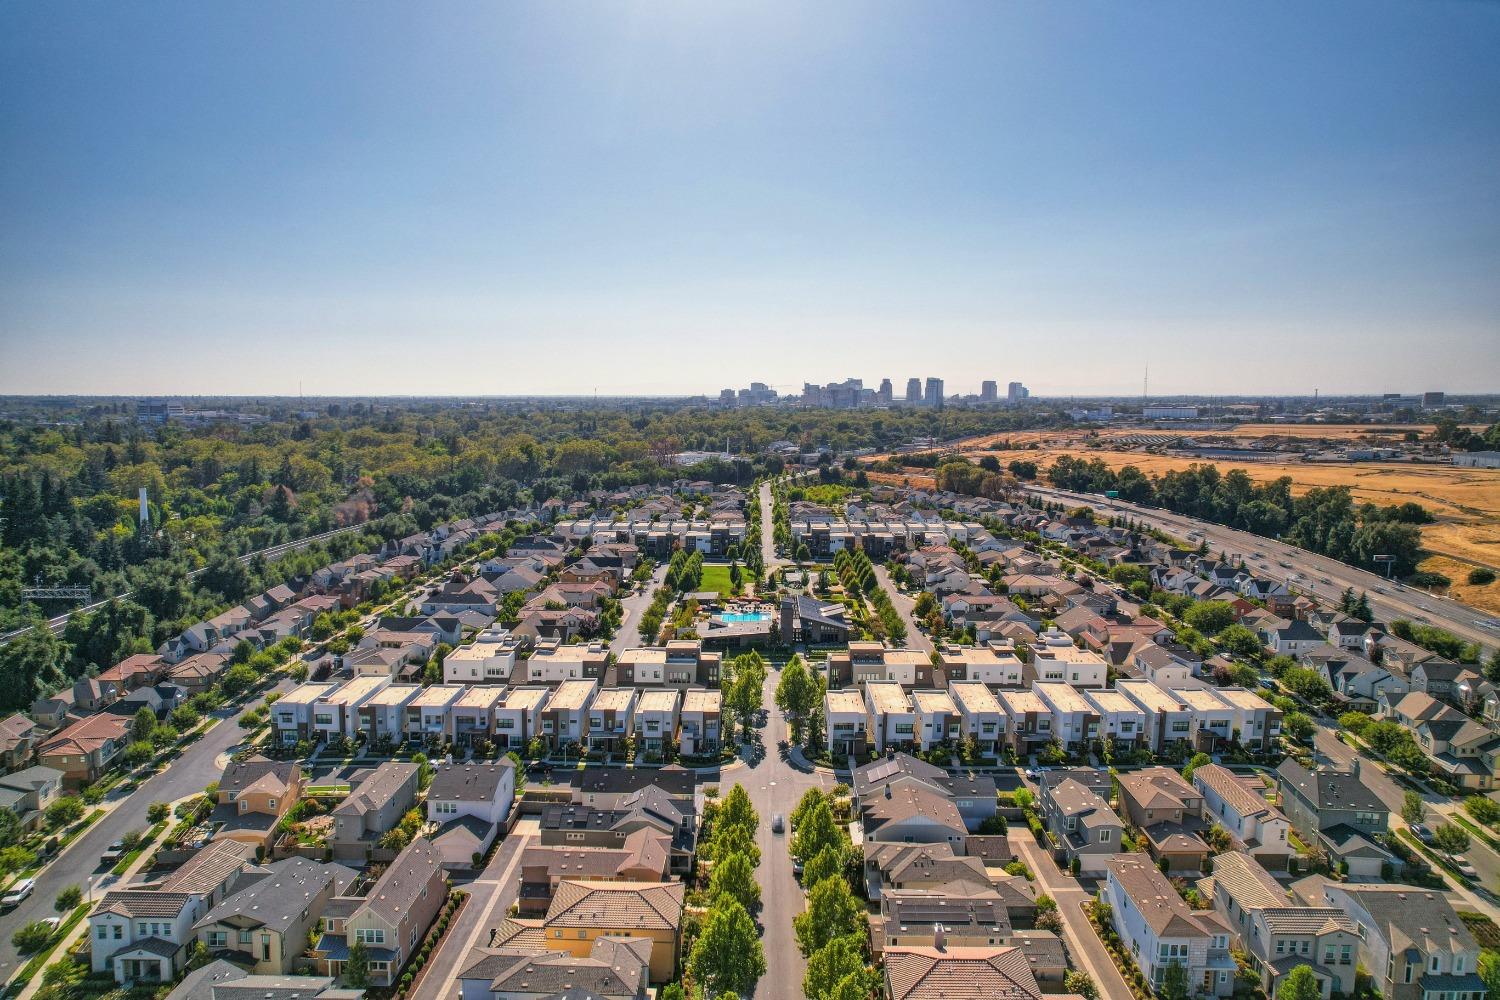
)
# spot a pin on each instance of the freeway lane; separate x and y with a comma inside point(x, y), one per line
point(189, 773)
point(1460, 619)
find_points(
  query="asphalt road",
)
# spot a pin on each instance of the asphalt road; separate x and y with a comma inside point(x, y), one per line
point(79, 864)
point(629, 634)
point(1311, 569)
point(776, 786)
point(915, 637)
point(767, 534)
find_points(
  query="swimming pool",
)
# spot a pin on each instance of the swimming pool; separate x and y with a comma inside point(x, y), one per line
point(734, 617)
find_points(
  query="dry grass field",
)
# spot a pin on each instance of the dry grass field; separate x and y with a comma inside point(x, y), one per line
point(1466, 502)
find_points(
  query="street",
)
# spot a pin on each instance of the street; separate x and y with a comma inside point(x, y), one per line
point(915, 637)
point(1086, 952)
point(79, 864)
point(629, 634)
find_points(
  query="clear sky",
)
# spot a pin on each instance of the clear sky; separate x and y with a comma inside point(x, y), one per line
point(507, 198)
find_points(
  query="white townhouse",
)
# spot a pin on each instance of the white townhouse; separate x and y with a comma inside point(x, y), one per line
point(489, 659)
point(336, 713)
point(554, 663)
point(656, 718)
point(980, 713)
point(565, 718)
point(845, 718)
point(1257, 722)
point(1028, 720)
point(1074, 721)
point(1168, 718)
point(892, 719)
point(518, 717)
point(1120, 719)
point(996, 667)
point(383, 715)
point(937, 718)
point(1056, 659)
point(472, 716)
point(427, 714)
point(1213, 718)
point(292, 715)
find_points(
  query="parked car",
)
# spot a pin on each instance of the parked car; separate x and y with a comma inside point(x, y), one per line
point(114, 852)
point(18, 893)
point(797, 866)
point(778, 824)
point(1465, 869)
point(1422, 833)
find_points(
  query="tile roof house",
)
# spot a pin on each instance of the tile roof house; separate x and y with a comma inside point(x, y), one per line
point(87, 748)
point(645, 856)
point(1159, 930)
point(18, 737)
point(613, 969)
point(583, 911)
point(939, 972)
point(221, 980)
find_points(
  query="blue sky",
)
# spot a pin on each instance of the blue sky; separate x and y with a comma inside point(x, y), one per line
point(678, 197)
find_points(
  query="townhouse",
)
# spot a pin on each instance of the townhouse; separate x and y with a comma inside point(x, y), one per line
point(656, 719)
point(489, 659)
point(1213, 718)
point(336, 712)
point(700, 721)
point(873, 661)
point(611, 718)
point(1158, 929)
point(292, 715)
point(681, 663)
point(472, 716)
point(1029, 725)
point(553, 662)
point(1168, 718)
point(428, 714)
point(989, 665)
point(1280, 934)
point(892, 719)
point(1120, 719)
point(1057, 660)
point(1253, 824)
point(564, 718)
point(1075, 723)
point(845, 717)
point(518, 717)
point(936, 718)
point(1256, 722)
point(981, 715)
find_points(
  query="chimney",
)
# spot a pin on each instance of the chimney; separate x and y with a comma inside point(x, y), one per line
point(938, 938)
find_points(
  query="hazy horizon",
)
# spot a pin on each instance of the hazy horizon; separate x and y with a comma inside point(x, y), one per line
point(675, 198)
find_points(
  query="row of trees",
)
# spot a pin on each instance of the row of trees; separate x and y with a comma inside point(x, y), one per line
point(831, 930)
point(799, 695)
point(1324, 520)
point(726, 957)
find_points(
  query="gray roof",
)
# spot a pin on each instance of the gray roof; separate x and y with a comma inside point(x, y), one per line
point(1334, 790)
point(277, 900)
point(401, 884)
point(469, 782)
point(242, 774)
point(378, 788)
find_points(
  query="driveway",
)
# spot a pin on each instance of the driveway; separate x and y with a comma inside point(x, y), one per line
point(1085, 949)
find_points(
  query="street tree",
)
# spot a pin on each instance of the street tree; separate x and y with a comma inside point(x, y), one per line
point(1299, 984)
point(727, 957)
point(832, 911)
point(816, 831)
point(828, 966)
point(734, 878)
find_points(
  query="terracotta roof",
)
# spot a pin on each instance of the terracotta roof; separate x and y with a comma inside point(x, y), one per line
point(951, 973)
point(617, 905)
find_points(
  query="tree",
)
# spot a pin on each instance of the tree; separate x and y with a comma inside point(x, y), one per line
point(805, 806)
point(143, 724)
point(238, 679)
point(830, 964)
point(1483, 809)
point(795, 694)
point(734, 878)
point(1239, 640)
point(1299, 725)
point(68, 898)
point(1489, 969)
point(1210, 617)
point(1413, 809)
point(139, 752)
point(1199, 759)
point(1299, 984)
point(31, 937)
point(357, 966)
point(727, 957)
point(1174, 982)
point(827, 862)
point(735, 810)
point(65, 810)
point(817, 831)
point(728, 840)
point(1077, 981)
point(832, 911)
point(1450, 838)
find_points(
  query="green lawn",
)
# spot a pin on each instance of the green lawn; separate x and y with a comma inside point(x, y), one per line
point(716, 578)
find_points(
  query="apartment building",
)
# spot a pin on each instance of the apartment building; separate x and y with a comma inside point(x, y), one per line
point(1169, 719)
point(553, 662)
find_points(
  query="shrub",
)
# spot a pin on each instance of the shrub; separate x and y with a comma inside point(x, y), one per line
point(1481, 577)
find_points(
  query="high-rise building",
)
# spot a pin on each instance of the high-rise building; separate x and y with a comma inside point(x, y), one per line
point(886, 394)
point(1431, 400)
point(934, 395)
point(913, 390)
point(1016, 392)
point(989, 391)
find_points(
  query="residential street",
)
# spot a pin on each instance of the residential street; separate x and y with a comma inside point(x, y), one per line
point(79, 864)
point(915, 638)
point(1085, 950)
point(775, 786)
point(629, 634)
point(767, 535)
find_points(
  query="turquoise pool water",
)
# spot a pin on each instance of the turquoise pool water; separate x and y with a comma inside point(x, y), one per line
point(745, 616)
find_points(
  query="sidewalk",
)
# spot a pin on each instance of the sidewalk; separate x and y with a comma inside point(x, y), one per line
point(95, 891)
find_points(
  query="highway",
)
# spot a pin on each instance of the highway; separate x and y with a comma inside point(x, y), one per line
point(1304, 571)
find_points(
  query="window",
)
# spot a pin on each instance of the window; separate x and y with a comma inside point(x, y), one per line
point(102, 932)
point(244, 937)
point(1105, 836)
point(218, 939)
point(445, 808)
point(370, 935)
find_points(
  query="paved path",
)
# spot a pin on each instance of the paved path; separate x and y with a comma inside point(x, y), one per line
point(1085, 949)
point(490, 897)
point(775, 786)
point(767, 531)
point(915, 638)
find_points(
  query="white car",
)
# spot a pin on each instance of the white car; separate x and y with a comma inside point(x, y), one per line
point(18, 892)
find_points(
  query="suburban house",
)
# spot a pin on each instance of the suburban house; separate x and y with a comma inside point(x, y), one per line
point(469, 802)
point(391, 919)
point(142, 935)
point(253, 796)
point(1159, 930)
point(1253, 824)
point(1082, 821)
point(27, 793)
point(584, 911)
point(372, 809)
point(615, 968)
point(1169, 811)
point(88, 748)
point(265, 926)
point(1278, 933)
point(1339, 811)
point(645, 856)
point(972, 795)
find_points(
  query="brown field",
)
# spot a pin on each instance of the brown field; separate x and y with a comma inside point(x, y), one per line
point(1466, 502)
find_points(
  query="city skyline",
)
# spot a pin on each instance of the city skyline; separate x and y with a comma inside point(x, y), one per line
point(1268, 201)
